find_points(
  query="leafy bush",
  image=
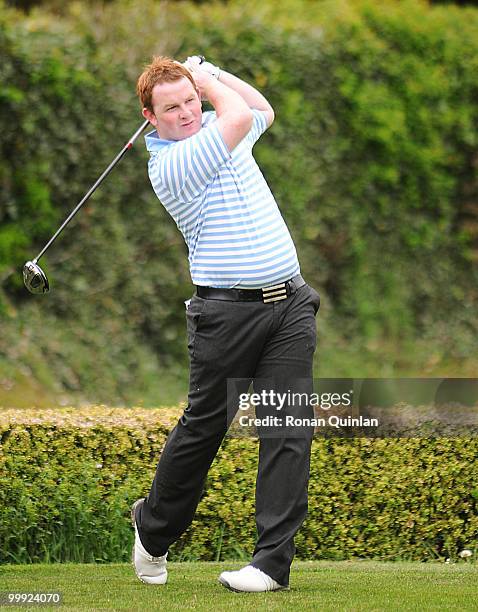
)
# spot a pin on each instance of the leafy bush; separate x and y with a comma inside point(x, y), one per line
point(372, 159)
point(69, 477)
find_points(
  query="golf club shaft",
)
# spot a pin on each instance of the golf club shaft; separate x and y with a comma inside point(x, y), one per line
point(127, 146)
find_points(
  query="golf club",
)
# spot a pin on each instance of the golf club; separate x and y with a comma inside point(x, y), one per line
point(33, 276)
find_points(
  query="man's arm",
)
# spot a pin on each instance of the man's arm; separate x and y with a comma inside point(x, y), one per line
point(252, 97)
point(234, 117)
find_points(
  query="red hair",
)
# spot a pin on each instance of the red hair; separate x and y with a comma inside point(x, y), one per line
point(161, 70)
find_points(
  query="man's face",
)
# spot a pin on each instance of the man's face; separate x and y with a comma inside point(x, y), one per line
point(176, 110)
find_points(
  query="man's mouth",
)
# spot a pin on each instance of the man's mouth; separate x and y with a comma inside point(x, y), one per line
point(187, 124)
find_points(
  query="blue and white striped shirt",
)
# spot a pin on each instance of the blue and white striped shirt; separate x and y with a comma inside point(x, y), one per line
point(220, 201)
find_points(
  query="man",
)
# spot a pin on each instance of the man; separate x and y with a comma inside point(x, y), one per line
point(252, 316)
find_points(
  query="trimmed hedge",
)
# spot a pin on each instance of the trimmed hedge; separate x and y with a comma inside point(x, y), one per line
point(68, 479)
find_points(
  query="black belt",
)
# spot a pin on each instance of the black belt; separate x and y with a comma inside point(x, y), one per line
point(280, 291)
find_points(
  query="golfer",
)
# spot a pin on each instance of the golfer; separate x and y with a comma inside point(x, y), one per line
point(252, 316)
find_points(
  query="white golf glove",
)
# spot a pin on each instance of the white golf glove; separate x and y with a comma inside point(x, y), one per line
point(197, 62)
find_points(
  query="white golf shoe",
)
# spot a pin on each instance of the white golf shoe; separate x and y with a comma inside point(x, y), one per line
point(249, 579)
point(149, 569)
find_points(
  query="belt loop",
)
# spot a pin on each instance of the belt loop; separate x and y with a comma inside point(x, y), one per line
point(292, 287)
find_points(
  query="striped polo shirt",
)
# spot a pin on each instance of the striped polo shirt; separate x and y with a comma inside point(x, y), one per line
point(224, 208)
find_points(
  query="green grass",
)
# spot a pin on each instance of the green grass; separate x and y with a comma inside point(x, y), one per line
point(167, 387)
point(33, 382)
point(322, 585)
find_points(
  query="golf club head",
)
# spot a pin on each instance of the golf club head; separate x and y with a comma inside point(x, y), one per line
point(34, 278)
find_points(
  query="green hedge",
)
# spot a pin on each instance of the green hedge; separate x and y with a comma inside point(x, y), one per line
point(68, 478)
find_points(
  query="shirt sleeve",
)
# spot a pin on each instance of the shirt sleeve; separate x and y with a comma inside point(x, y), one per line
point(259, 126)
point(187, 167)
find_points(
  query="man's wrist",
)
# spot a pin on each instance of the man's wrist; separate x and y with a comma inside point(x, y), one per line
point(213, 85)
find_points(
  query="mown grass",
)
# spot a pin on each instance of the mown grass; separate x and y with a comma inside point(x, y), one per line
point(322, 585)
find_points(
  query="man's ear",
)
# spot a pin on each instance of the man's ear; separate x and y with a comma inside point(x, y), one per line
point(150, 116)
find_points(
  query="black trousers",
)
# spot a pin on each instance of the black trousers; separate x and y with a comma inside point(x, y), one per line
point(238, 340)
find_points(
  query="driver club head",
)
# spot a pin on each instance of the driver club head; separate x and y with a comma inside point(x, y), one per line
point(34, 278)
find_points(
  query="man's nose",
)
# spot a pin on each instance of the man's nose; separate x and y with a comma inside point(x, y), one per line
point(184, 111)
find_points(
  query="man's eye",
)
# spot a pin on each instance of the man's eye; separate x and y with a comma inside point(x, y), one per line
point(171, 108)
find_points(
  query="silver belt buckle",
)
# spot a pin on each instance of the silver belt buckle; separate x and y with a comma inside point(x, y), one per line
point(274, 293)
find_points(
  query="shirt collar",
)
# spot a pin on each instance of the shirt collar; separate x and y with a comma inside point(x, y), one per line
point(154, 142)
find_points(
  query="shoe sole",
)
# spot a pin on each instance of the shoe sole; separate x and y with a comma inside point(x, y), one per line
point(226, 584)
point(133, 511)
point(133, 524)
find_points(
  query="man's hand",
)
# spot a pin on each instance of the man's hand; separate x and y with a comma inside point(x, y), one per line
point(202, 78)
point(197, 62)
